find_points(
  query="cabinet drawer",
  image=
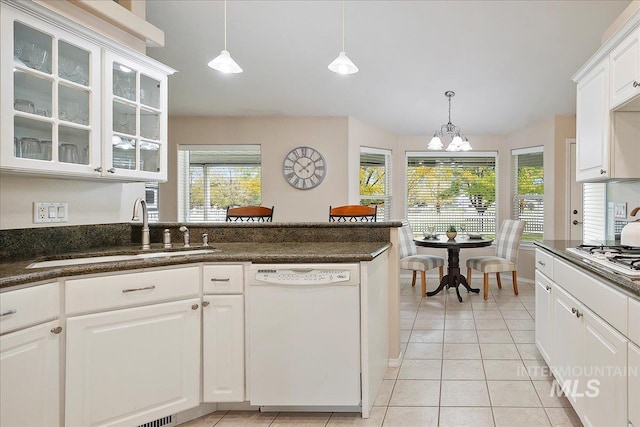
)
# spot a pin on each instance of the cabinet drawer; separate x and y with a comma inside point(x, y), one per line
point(223, 279)
point(128, 289)
point(634, 321)
point(544, 263)
point(24, 307)
point(605, 301)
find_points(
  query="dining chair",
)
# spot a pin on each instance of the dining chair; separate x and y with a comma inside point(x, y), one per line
point(353, 213)
point(411, 260)
point(505, 259)
point(249, 214)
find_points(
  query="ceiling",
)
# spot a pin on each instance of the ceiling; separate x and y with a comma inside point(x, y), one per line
point(509, 62)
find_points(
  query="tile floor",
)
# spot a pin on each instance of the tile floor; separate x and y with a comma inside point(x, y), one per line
point(465, 364)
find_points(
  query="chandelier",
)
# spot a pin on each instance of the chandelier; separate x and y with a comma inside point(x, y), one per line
point(458, 142)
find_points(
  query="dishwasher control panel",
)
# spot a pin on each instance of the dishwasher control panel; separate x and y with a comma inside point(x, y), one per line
point(302, 276)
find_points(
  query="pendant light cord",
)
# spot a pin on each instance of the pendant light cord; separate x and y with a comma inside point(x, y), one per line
point(225, 24)
point(342, 25)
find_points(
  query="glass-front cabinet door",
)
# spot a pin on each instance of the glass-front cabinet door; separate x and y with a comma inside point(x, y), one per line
point(50, 99)
point(136, 120)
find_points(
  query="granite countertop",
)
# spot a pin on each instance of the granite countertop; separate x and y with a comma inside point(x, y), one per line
point(558, 248)
point(15, 272)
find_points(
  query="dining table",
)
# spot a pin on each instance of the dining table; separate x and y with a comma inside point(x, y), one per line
point(453, 278)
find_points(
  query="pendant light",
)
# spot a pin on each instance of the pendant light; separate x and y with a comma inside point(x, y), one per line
point(342, 64)
point(458, 142)
point(224, 62)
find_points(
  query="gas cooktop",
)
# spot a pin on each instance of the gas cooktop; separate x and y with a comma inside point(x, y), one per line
point(624, 260)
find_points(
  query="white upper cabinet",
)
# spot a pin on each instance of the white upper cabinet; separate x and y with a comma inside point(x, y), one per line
point(593, 125)
point(75, 104)
point(625, 70)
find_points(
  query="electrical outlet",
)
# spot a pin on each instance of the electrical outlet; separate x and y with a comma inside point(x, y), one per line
point(45, 212)
point(620, 210)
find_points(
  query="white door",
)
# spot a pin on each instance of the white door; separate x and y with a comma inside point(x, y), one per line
point(605, 349)
point(575, 197)
point(634, 384)
point(223, 348)
point(544, 319)
point(30, 376)
point(128, 367)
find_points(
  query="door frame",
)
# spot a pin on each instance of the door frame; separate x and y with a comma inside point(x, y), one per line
point(568, 180)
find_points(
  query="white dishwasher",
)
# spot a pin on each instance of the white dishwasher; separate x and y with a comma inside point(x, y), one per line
point(304, 334)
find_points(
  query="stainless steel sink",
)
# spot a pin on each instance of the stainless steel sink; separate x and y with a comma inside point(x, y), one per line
point(115, 258)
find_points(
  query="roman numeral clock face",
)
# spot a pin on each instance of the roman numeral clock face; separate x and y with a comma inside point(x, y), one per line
point(304, 168)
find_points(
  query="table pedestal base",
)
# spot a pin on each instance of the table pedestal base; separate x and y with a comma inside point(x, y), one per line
point(453, 278)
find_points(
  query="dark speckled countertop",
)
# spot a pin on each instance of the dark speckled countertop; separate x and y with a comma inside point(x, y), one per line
point(559, 248)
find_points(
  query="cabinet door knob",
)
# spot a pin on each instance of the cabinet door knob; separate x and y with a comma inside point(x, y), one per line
point(205, 303)
point(579, 314)
point(636, 84)
point(194, 307)
point(111, 170)
point(602, 171)
point(98, 169)
point(542, 263)
point(576, 222)
point(574, 310)
point(548, 288)
point(56, 330)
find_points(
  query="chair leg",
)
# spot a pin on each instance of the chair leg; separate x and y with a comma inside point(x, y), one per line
point(486, 286)
point(515, 282)
point(441, 272)
point(413, 281)
point(424, 283)
point(469, 276)
point(498, 279)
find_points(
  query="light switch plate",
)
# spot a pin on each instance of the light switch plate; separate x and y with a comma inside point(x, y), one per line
point(620, 210)
point(47, 212)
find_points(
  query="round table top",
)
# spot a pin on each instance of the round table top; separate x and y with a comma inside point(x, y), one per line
point(459, 242)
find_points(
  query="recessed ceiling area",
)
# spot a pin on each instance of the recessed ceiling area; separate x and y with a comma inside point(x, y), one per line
point(509, 62)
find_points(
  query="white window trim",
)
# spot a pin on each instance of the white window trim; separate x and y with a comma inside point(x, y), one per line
point(517, 152)
point(388, 178)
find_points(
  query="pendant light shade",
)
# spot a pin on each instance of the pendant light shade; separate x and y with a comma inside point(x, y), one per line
point(342, 64)
point(224, 62)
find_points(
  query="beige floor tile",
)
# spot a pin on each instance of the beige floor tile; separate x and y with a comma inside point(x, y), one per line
point(491, 325)
point(301, 419)
point(538, 369)
point(417, 350)
point(429, 323)
point(524, 337)
point(407, 317)
point(521, 325)
point(494, 337)
point(548, 391)
point(411, 417)
point(384, 393)
point(460, 324)
point(427, 336)
point(466, 417)
point(510, 305)
point(462, 370)
point(415, 393)
point(409, 305)
point(458, 315)
point(464, 393)
point(563, 417)
point(499, 351)
point(486, 314)
point(355, 418)
point(430, 314)
point(529, 351)
point(461, 351)
point(415, 369)
point(513, 393)
point(404, 335)
point(521, 417)
point(515, 315)
point(460, 337)
point(392, 373)
point(247, 418)
point(505, 370)
point(482, 305)
point(208, 420)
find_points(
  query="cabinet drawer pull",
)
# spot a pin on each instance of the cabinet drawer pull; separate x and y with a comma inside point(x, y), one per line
point(602, 171)
point(548, 288)
point(205, 303)
point(146, 288)
point(636, 84)
point(542, 263)
point(579, 314)
point(574, 310)
point(194, 307)
point(6, 313)
point(220, 280)
point(111, 170)
point(98, 169)
point(56, 330)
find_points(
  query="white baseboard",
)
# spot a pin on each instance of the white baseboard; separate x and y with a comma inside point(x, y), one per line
point(395, 363)
point(237, 406)
point(193, 413)
point(310, 409)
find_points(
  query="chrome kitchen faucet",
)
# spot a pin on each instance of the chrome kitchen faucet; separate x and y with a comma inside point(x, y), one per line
point(145, 221)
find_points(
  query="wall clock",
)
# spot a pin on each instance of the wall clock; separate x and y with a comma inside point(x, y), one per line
point(304, 168)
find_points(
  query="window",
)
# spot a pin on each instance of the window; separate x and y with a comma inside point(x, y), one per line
point(375, 180)
point(594, 215)
point(212, 177)
point(457, 189)
point(528, 191)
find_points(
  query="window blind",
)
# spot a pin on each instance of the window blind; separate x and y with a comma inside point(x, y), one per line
point(375, 180)
point(213, 177)
point(528, 191)
point(594, 197)
point(452, 190)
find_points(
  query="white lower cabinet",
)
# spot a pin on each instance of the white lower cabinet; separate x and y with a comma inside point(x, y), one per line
point(127, 367)
point(634, 385)
point(223, 348)
point(30, 379)
point(589, 361)
point(544, 315)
